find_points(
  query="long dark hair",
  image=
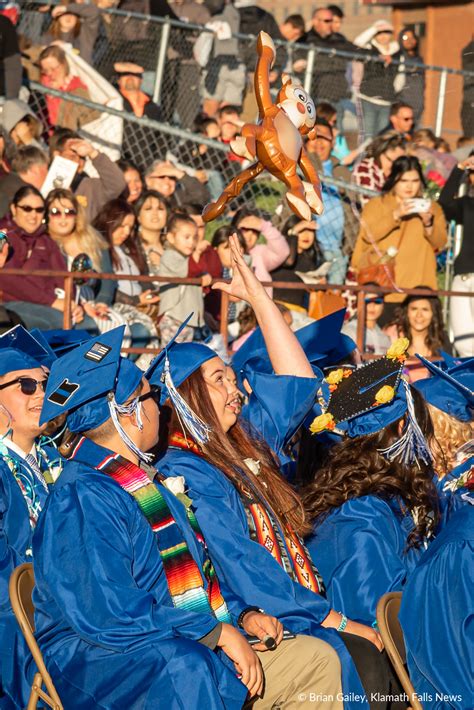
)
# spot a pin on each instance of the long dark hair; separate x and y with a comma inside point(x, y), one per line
point(108, 220)
point(24, 192)
point(227, 450)
point(355, 468)
point(400, 166)
point(434, 337)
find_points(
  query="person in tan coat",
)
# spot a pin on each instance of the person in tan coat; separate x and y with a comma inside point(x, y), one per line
point(399, 226)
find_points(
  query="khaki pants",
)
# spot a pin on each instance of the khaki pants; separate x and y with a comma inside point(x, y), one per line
point(303, 673)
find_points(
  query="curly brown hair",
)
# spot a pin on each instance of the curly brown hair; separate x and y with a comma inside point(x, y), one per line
point(227, 450)
point(356, 468)
point(450, 435)
point(434, 337)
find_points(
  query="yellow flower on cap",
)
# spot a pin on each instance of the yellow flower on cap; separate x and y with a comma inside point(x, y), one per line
point(397, 349)
point(324, 421)
point(385, 395)
point(335, 377)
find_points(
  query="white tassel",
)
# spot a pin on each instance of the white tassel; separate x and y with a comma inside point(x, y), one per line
point(187, 418)
point(412, 445)
point(129, 409)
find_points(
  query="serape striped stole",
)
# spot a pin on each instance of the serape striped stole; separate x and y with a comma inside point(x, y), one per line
point(189, 589)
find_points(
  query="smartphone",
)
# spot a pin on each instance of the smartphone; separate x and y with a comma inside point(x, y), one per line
point(3, 239)
point(419, 204)
point(254, 640)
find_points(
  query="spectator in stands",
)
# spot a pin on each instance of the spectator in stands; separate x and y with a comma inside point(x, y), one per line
point(410, 79)
point(305, 255)
point(293, 28)
point(38, 300)
point(376, 341)
point(76, 23)
point(467, 107)
point(393, 226)
point(220, 243)
point(374, 169)
point(401, 120)
point(179, 300)
point(225, 73)
point(331, 222)
point(174, 185)
point(21, 123)
point(337, 18)
point(29, 167)
point(265, 257)
point(376, 86)
point(341, 151)
point(10, 60)
point(152, 211)
point(330, 80)
point(457, 201)
point(138, 141)
point(133, 179)
point(56, 74)
point(93, 191)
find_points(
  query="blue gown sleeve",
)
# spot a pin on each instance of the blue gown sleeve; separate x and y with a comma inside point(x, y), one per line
point(242, 565)
point(278, 405)
point(97, 536)
point(437, 617)
point(358, 548)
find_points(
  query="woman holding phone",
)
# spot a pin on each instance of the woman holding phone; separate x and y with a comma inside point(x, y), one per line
point(401, 227)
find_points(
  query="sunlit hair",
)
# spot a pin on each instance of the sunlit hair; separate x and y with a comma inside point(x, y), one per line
point(88, 239)
point(450, 434)
point(355, 469)
point(434, 337)
point(108, 220)
point(227, 450)
point(57, 53)
point(55, 27)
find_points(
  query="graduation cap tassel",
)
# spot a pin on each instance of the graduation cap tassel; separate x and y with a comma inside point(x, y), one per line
point(133, 408)
point(412, 445)
point(188, 419)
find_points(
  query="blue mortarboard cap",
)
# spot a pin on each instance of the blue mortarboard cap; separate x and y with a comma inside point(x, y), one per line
point(12, 360)
point(449, 390)
point(79, 382)
point(62, 341)
point(322, 341)
point(184, 359)
point(22, 340)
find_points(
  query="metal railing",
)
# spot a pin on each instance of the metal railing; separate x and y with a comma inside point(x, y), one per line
point(164, 47)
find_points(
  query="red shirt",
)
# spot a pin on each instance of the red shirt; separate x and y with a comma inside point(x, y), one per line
point(53, 102)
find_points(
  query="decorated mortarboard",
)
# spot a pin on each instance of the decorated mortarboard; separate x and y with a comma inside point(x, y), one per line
point(171, 367)
point(91, 385)
point(18, 338)
point(449, 390)
point(322, 342)
point(370, 398)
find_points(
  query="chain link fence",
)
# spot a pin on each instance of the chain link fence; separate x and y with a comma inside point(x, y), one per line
point(185, 66)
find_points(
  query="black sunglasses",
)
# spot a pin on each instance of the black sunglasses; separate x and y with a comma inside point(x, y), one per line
point(29, 208)
point(154, 394)
point(378, 300)
point(28, 385)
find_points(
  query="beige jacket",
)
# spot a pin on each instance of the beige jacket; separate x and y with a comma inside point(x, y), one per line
point(415, 261)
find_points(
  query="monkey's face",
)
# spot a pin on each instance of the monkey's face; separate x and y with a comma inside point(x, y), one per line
point(298, 106)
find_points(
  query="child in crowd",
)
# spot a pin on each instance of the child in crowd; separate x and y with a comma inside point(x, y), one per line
point(178, 300)
point(376, 341)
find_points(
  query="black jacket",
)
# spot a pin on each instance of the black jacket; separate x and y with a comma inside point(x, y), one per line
point(461, 210)
point(329, 74)
point(253, 20)
point(378, 77)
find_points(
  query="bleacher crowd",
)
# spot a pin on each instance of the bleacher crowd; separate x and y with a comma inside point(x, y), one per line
point(261, 488)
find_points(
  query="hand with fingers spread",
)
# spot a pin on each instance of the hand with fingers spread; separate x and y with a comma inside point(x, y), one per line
point(262, 625)
point(246, 662)
point(244, 285)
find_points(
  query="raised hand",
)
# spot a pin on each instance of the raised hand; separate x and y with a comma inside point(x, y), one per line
point(244, 285)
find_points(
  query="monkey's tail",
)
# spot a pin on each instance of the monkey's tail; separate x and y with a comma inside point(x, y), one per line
point(214, 209)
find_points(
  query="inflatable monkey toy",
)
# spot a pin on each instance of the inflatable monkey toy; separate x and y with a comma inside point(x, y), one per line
point(276, 142)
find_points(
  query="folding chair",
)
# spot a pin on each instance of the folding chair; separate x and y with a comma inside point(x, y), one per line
point(392, 636)
point(21, 585)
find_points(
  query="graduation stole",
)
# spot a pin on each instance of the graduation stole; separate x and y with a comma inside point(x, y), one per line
point(187, 588)
point(285, 547)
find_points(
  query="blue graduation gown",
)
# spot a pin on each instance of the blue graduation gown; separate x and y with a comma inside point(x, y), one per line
point(359, 548)
point(247, 567)
point(105, 621)
point(15, 549)
point(437, 617)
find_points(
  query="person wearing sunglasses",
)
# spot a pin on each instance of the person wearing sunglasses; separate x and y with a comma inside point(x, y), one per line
point(376, 341)
point(26, 467)
point(37, 300)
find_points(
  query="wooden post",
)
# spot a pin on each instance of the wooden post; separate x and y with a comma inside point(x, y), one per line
point(360, 337)
point(68, 298)
point(225, 318)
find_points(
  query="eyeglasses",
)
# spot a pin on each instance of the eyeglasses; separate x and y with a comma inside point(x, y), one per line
point(68, 212)
point(326, 22)
point(319, 137)
point(378, 300)
point(28, 385)
point(162, 177)
point(154, 394)
point(29, 208)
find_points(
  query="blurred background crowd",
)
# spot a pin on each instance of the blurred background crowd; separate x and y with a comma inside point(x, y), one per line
point(116, 130)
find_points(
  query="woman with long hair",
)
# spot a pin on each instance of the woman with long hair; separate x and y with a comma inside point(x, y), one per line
point(152, 213)
point(399, 228)
point(252, 518)
point(374, 504)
